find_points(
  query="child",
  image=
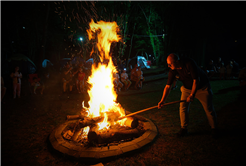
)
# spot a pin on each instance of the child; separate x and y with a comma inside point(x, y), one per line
point(81, 81)
point(37, 84)
point(125, 79)
point(16, 76)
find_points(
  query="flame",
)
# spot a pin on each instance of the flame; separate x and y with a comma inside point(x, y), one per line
point(102, 94)
point(85, 132)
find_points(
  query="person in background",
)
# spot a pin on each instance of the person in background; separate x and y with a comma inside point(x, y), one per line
point(44, 78)
point(219, 64)
point(37, 84)
point(81, 81)
point(134, 76)
point(222, 71)
point(3, 89)
point(67, 78)
point(125, 79)
point(16, 76)
point(229, 67)
point(195, 85)
point(117, 83)
point(235, 68)
point(211, 69)
point(120, 67)
point(140, 77)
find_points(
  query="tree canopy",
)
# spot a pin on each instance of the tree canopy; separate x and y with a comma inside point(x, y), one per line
point(54, 30)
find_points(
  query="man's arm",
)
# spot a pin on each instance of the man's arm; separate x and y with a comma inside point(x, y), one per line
point(193, 90)
point(166, 92)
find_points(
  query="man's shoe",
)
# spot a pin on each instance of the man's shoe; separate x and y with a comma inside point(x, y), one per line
point(182, 133)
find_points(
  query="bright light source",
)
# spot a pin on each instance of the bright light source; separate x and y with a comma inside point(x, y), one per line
point(24, 27)
point(81, 39)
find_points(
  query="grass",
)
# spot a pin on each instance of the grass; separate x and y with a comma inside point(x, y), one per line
point(27, 123)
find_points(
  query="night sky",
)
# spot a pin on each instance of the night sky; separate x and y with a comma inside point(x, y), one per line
point(222, 23)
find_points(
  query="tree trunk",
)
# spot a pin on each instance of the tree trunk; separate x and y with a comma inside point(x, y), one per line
point(131, 44)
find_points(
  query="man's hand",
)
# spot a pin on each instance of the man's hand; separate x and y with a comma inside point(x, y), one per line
point(160, 104)
point(190, 98)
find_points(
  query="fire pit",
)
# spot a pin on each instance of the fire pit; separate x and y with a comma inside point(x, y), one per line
point(102, 130)
point(143, 134)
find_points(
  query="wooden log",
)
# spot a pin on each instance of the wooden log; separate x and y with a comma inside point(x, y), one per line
point(90, 121)
point(76, 134)
point(74, 117)
point(113, 135)
point(80, 124)
point(131, 122)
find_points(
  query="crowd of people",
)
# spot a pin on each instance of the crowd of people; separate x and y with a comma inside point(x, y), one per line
point(221, 70)
point(77, 74)
point(74, 78)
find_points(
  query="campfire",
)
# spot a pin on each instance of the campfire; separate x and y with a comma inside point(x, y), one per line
point(103, 122)
point(100, 122)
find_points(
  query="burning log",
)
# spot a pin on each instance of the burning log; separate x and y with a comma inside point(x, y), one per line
point(80, 124)
point(82, 114)
point(131, 122)
point(113, 135)
point(76, 134)
point(90, 121)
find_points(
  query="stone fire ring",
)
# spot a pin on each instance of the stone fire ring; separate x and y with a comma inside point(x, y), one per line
point(76, 150)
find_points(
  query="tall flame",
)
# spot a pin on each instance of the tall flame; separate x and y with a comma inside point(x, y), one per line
point(106, 33)
point(102, 94)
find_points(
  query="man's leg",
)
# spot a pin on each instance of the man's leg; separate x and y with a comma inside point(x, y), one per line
point(206, 98)
point(184, 108)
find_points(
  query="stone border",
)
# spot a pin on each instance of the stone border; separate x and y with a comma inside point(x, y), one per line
point(78, 151)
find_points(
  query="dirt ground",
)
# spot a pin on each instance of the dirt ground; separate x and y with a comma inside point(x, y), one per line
point(27, 123)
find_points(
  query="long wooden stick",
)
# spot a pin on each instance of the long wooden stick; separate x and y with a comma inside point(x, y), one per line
point(146, 109)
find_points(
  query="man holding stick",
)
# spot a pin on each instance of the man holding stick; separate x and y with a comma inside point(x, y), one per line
point(195, 85)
